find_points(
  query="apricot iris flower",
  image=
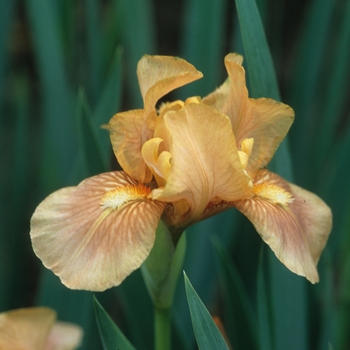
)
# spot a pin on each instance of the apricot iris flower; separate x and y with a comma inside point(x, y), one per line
point(182, 162)
point(35, 329)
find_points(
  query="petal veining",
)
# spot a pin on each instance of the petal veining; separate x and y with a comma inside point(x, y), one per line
point(296, 231)
point(205, 161)
point(158, 75)
point(89, 243)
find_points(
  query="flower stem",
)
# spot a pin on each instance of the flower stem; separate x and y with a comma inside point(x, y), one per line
point(162, 328)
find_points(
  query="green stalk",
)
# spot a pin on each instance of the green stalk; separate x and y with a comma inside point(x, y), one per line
point(162, 328)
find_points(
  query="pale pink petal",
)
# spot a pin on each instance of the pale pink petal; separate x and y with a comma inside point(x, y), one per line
point(158, 75)
point(128, 132)
point(205, 163)
point(64, 336)
point(296, 232)
point(25, 329)
point(93, 246)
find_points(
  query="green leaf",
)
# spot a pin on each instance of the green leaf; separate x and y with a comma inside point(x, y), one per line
point(94, 40)
point(262, 77)
point(6, 15)
point(137, 307)
point(137, 26)
point(238, 309)
point(289, 304)
point(91, 156)
point(304, 91)
point(327, 294)
point(207, 333)
point(111, 336)
point(336, 92)
point(199, 243)
point(60, 147)
point(109, 102)
point(261, 72)
point(202, 43)
point(282, 298)
point(264, 304)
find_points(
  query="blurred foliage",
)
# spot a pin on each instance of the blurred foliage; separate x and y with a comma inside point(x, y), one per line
point(67, 66)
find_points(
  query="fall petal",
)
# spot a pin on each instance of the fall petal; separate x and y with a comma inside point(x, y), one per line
point(91, 239)
point(158, 75)
point(128, 132)
point(203, 164)
point(25, 329)
point(296, 232)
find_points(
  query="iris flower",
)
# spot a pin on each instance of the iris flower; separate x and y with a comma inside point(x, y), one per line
point(35, 329)
point(182, 162)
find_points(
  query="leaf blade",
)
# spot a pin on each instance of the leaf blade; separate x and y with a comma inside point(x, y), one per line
point(111, 336)
point(207, 334)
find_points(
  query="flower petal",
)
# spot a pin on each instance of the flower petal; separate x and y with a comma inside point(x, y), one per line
point(64, 336)
point(204, 162)
point(160, 164)
point(231, 98)
point(128, 132)
point(25, 329)
point(265, 120)
point(297, 232)
point(91, 238)
point(159, 75)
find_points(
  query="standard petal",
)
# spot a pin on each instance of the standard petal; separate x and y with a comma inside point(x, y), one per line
point(204, 162)
point(158, 75)
point(297, 232)
point(265, 120)
point(128, 132)
point(231, 98)
point(25, 329)
point(90, 237)
point(218, 98)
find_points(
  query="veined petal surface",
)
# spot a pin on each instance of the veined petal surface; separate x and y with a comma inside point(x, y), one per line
point(158, 75)
point(90, 246)
point(205, 163)
point(297, 232)
point(25, 329)
point(128, 132)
